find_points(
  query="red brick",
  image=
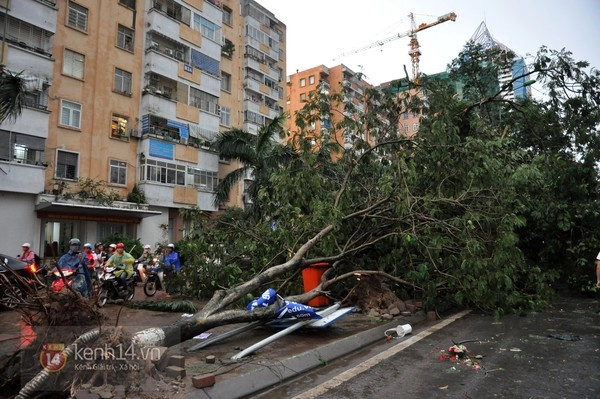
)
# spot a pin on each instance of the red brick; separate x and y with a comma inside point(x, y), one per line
point(175, 372)
point(203, 380)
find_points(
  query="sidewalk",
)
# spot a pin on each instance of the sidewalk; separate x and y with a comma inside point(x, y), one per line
point(288, 357)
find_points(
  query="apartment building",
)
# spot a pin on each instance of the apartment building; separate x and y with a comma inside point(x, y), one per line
point(328, 80)
point(133, 93)
point(28, 32)
point(408, 122)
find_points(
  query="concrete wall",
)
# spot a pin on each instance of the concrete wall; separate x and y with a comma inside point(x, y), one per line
point(19, 223)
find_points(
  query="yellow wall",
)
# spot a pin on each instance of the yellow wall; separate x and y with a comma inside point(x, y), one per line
point(94, 92)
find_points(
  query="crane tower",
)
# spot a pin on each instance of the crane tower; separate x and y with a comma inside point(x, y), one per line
point(414, 51)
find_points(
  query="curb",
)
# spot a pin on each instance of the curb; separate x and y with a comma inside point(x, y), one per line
point(270, 373)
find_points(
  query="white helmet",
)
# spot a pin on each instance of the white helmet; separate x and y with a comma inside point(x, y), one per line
point(26, 244)
point(147, 246)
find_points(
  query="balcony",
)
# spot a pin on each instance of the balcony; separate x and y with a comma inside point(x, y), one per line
point(38, 13)
point(14, 174)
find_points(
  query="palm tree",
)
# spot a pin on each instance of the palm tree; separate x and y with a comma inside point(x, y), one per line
point(12, 94)
point(259, 154)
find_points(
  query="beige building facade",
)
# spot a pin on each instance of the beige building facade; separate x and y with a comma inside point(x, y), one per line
point(128, 96)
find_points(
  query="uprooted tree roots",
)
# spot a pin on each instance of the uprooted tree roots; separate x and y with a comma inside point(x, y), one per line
point(65, 348)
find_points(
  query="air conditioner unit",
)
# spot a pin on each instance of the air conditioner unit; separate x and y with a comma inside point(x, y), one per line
point(169, 52)
point(154, 45)
point(179, 55)
point(135, 133)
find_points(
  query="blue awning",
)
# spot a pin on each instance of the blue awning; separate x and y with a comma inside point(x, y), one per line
point(184, 131)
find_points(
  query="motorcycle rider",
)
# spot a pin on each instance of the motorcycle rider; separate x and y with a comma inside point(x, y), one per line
point(101, 256)
point(144, 260)
point(28, 255)
point(77, 262)
point(123, 261)
point(111, 251)
point(92, 259)
point(171, 259)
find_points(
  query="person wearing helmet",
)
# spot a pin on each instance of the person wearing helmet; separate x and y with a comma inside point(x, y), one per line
point(123, 261)
point(111, 251)
point(28, 255)
point(171, 259)
point(92, 259)
point(144, 260)
point(101, 256)
point(77, 262)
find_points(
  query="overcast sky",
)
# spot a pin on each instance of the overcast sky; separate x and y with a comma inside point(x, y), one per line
point(320, 30)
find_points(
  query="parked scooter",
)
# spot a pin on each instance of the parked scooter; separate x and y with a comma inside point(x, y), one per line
point(111, 288)
point(154, 278)
point(17, 279)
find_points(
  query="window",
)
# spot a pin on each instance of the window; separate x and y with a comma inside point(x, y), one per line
point(70, 114)
point(73, 64)
point(225, 81)
point(406, 128)
point(23, 33)
point(162, 172)
point(118, 172)
point(225, 116)
point(122, 81)
point(77, 16)
point(227, 16)
point(125, 38)
point(118, 127)
point(302, 82)
point(130, 4)
point(311, 80)
point(415, 127)
point(202, 179)
point(405, 115)
point(21, 148)
point(303, 97)
point(207, 28)
point(253, 117)
point(66, 165)
point(204, 101)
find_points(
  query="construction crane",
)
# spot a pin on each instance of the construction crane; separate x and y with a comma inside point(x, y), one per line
point(414, 51)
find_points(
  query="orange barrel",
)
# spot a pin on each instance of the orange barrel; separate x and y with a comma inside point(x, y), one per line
point(311, 275)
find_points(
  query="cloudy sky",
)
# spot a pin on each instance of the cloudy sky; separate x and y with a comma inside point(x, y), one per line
point(320, 30)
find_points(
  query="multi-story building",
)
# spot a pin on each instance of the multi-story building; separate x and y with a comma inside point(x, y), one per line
point(28, 32)
point(520, 89)
point(258, 67)
point(408, 122)
point(126, 97)
point(329, 80)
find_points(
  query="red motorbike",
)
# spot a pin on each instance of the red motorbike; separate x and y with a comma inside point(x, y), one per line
point(62, 278)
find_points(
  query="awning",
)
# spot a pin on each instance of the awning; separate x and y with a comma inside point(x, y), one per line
point(78, 211)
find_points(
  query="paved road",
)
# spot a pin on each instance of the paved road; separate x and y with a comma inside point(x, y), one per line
point(550, 354)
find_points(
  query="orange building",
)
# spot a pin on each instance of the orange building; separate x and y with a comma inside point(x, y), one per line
point(330, 80)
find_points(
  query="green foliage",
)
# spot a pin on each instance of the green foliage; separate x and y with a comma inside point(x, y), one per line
point(137, 196)
point(183, 306)
point(488, 206)
point(88, 189)
point(12, 95)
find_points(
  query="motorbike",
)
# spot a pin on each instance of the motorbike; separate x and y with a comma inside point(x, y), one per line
point(137, 278)
point(112, 289)
point(17, 278)
point(154, 278)
point(58, 282)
